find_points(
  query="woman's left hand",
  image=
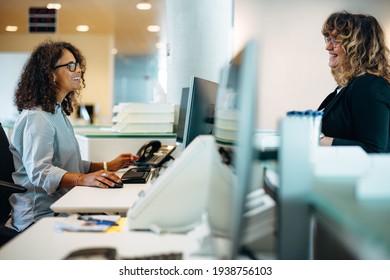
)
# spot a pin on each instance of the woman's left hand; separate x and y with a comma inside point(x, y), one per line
point(326, 141)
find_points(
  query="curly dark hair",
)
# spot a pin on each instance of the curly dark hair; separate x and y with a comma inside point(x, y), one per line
point(36, 86)
point(363, 40)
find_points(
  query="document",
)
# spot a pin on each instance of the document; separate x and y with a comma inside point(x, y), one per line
point(90, 223)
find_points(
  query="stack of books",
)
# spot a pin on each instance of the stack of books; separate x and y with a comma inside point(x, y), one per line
point(143, 117)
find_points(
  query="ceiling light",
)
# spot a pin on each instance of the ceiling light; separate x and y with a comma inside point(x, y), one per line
point(82, 28)
point(144, 6)
point(153, 28)
point(114, 51)
point(11, 28)
point(55, 6)
point(160, 45)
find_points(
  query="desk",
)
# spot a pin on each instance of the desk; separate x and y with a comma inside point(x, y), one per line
point(42, 242)
point(83, 199)
point(96, 200)
point(345, 227)
point(362, 227)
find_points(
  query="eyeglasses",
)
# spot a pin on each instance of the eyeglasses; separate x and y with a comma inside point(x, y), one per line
point(332, 41)
point(71, 66)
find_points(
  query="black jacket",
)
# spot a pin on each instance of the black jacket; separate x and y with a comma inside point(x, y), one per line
point(359, 115)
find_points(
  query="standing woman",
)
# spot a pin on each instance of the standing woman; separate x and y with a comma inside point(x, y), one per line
point(46, 153)
point(358, 112)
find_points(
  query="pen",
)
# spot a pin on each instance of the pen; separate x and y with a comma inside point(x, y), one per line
point(102, 222)
point(97, 221)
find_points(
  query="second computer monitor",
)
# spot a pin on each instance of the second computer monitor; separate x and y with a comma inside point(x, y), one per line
point(200, 111)
point(182, 116)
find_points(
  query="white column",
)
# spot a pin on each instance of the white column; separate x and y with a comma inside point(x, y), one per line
point(200, 41)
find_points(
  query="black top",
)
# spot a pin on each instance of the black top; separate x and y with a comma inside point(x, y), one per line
point(359, 115)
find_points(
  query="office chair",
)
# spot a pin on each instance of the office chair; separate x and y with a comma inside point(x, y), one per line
point(7, 187)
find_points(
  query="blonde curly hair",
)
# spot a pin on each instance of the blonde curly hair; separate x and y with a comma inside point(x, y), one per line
point(363, 41)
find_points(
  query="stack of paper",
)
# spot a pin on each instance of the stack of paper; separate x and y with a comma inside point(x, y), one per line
point(260, 217)
point(143, 117)
point(226, 125)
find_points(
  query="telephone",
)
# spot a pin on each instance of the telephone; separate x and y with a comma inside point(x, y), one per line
point(154, 154)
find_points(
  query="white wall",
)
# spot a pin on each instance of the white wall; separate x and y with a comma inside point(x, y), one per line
point(13, 64)
point(100, 71)
point(293, 62)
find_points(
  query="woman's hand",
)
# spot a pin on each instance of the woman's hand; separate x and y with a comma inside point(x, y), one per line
point(122, 161)
point(326, 141)
point(101, 179)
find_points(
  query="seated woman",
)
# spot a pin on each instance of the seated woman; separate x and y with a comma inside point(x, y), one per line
point(45, 150)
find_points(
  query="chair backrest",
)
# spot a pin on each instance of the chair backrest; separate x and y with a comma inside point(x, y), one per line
point(6, 169)
point(7, 161)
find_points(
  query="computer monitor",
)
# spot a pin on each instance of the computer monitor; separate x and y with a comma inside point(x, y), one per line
point(236, 114)
point(182, 116)
point(199, 119)
point(86, 112)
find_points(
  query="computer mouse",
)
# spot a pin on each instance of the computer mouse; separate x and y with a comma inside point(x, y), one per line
point(116, 186)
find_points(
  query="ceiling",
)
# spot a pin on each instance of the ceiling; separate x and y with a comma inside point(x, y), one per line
point(118, 17)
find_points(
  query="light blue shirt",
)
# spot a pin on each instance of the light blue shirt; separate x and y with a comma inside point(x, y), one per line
point(44, 148)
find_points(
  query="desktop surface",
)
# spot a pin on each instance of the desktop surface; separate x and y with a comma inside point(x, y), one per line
point(45, 243)
point(97, 200)
point(363, 226)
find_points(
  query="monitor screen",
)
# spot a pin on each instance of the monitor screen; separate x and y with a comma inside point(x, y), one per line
point(199, 118)
point(182, 116)
point(236, 115)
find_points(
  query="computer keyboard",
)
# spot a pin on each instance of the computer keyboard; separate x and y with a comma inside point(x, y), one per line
point(138, 175)
point(107, 253)
point(157, 256)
